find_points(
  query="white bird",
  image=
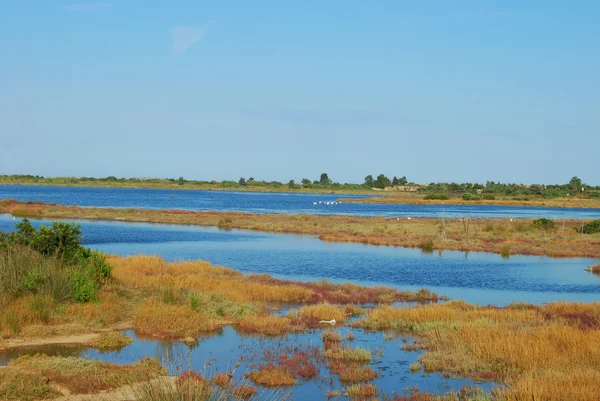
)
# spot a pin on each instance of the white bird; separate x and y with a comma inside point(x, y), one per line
point(408, 218)
point(331, 322)
point(314, 203)
point(397, 218)
point(14, 218)
point(320, 202)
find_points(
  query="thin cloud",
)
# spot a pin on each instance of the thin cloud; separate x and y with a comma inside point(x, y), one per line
point(95, 5)
point(185, 37)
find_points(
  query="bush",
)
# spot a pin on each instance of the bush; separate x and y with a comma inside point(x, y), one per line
point(470, 197)
point(489, 197)
point(592, 227)
point(84, 288)
point(51, 261)
point(435, 197)
point(544, 224)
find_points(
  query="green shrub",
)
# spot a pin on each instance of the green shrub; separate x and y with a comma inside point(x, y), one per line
point(470, 197)
point(489, 197)
point(52, 261)
point(592, 227)
point(544, 224)
point(84, 288)
point(593, 195)
point(194, 302)
point(435, 197)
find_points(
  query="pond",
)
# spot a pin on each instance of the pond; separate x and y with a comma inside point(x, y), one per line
point(223, 350)
point(261, 202)
point(478, 277)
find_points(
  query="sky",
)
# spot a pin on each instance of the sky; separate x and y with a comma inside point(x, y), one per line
point(464, 90)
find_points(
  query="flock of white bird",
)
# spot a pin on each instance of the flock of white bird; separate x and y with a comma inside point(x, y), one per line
point(326, 203)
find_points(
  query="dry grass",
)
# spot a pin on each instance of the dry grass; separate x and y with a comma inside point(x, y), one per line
point(82, 376)
point(491, 235)
point(315, 313)
point(20, 385)
point(111, 340)
point(417, 199)
point(348, 354)
point(266, 325)
point(171, 320)
point(361, 391)
point(548, 352)
point(272, 376)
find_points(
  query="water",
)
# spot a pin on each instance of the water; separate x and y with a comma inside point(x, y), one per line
point(478, 277)
point(253, 202)
point(228, 347)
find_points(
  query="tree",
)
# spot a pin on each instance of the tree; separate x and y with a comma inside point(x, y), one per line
point(305, 182)
point(395, 181)
point(324, 180)
point(575, 184)
point(251, 179)
point(292, 184)
point(403, 180)
point(382, 181)
point(369, 181)
point(242, 181)
point(181, 181)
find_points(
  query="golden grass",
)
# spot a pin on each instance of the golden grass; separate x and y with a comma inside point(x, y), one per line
point(357, 354)
point(267, 325)
point(19, 385)
point(164, 320)
point(111, 340)
point(540, 352)
point(272, 376)
point(490, 235)
point(82, 376)
point(323, 312)
point(417, 199)
point(153, 272)
point(29, 316)
point(361, 391)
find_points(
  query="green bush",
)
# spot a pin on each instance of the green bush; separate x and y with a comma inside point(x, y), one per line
point(84, 288)
point(470, 197)
point(435, 197)
point(50, 261)
point(592, 227)
point(194, 302)
point(489, 197)
point(544, 224)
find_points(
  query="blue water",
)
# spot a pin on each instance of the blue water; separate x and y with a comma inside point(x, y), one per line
point(253, 202)
point(478, 277)
point(226, 348)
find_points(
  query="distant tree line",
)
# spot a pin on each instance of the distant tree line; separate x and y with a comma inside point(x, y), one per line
point(468, 190)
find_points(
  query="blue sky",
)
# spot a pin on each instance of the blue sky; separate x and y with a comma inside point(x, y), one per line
point(434, 90)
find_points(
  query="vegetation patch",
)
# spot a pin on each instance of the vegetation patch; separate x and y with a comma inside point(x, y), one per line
point(82, 376)
point(21, 385)
point(110, 340)
point(272, 376)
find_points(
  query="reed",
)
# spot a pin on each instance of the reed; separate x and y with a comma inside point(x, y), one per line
point(540, 352)
point(489, 235)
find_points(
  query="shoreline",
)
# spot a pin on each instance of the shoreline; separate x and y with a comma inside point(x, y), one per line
point(369, 196)
point(500, 236)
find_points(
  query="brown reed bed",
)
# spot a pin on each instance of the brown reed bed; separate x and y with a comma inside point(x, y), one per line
point(520, 236)
point(544, 352)
point(418, 199)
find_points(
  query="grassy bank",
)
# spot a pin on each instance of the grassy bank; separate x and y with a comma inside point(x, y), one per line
point(502, 236)
point(422, 199)
point(173, 184)
point(547, 352)
point(544, 352)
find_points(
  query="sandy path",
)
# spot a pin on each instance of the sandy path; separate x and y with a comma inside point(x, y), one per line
point(63, 340)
